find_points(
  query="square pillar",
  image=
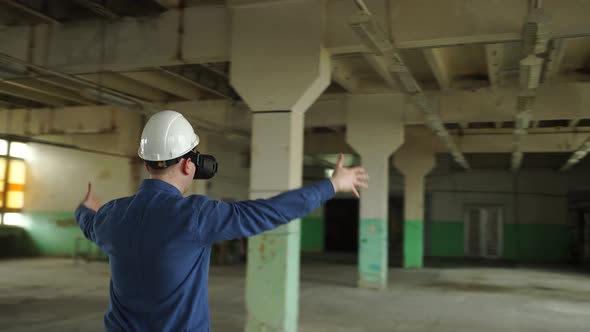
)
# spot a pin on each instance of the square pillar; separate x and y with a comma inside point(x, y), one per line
point(375, 130)
point(272, 278)
point(414, 159)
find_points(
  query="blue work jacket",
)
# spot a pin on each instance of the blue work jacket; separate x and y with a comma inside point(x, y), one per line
point(159, 243)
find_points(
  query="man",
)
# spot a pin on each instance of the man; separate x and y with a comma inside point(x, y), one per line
point(159, 242)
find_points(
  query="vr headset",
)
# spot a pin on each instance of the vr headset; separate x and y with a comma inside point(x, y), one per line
point(206, 164)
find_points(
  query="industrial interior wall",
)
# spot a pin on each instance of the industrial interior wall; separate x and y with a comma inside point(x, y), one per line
point(57, 179)
point(57, 182)
point(534, 212)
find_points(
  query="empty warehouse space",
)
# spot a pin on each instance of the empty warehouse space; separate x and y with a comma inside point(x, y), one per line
point(472, 119)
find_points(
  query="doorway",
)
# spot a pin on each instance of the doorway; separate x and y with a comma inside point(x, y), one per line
point(484, 231)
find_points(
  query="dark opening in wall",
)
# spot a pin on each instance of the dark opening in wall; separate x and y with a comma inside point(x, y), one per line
point(342, 225)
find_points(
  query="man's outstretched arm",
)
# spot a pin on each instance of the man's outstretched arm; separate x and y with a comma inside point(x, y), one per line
point(218, 221)
point(86, 212)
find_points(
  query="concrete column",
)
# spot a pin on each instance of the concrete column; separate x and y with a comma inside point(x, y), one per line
point(272, 290)
point(414, 159)
point(375, 130)
point(279, 68)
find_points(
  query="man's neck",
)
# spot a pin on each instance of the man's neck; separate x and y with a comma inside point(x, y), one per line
point(170, 181)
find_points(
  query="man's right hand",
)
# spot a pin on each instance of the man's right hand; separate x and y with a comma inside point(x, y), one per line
point(91, 201)
point(349, 179)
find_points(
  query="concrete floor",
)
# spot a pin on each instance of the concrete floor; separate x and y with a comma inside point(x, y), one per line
point(53, 295)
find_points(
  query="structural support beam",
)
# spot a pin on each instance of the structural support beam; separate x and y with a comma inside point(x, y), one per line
point(48, 89)
point(169, 83)
point(438, 60)
point(382, 64)
point(494, 60)
point(343, 74)
point(24, 93)
point(296, 74)
point(169, 4)
point(542, 140)
point(375, 131)
point(372, 35)
point(127, 86)
point(204, 78)
point(415, 159)
point(97, 8)
point(31, 11)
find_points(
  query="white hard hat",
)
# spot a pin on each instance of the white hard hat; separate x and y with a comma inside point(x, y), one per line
point(166, 135)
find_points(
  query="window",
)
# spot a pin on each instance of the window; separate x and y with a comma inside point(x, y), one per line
point(13, 175)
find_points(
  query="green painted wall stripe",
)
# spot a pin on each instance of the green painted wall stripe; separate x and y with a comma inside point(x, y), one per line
point(447, 239)
point(312, 233)
point(413, 243)
point(56, 233)
point(537, 242)
point(527, 242)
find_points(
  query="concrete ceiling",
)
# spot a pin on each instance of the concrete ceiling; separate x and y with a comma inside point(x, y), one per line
point(465, 54)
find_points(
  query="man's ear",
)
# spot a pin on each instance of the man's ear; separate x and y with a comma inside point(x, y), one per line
point(186, 165)
point(147, 168)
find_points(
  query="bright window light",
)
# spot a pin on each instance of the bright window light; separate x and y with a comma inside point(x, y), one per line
point(15, 219)
point(15, 198)
point(19, 150)
point(3, 147)
point(329, 172)
point(17, 172)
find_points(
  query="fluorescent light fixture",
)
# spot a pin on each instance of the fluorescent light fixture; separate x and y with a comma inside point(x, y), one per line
point(526, 100)
point(369, 32)
point(110, 99)
point(530, 72)
point(523, 120)
point(408, 82)
point(536, 32)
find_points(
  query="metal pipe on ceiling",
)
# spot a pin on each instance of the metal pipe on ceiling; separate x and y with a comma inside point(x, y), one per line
point(371, 34)
point(535, 40)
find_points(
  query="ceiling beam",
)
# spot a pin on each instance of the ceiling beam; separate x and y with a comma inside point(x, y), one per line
point(48, 89)
point(31, 95)
point(98, 9)
point(342, 73)
point(371, 34)
point(203, 78)
point(127, 86)
point(381, 64)
point(169, 4)
point(545, 140)
point(31, 11)
point(166, 82)
point(494, 60)
point(438, 60)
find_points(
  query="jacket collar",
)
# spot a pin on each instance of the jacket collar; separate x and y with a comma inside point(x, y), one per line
point(155, 184)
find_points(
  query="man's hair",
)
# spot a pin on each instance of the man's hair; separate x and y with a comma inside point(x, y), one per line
point(158, 171)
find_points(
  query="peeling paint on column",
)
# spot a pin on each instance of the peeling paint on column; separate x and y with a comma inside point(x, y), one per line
point(373, 257)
